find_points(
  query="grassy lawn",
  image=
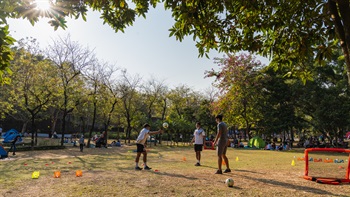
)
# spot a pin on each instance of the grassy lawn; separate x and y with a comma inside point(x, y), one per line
point(110, 172)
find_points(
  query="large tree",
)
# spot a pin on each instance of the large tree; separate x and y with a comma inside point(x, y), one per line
point(238, 79)
point(33, 85)
point(325, 102)
point(128, 87)
point(70, 59)
point(289, 32)
point(34, 79)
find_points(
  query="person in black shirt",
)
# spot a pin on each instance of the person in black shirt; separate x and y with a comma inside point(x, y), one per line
point(13, 146)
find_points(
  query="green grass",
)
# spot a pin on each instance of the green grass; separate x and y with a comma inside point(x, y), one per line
point(110, 172)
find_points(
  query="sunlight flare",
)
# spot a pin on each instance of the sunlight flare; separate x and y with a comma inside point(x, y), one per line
point(43, 4)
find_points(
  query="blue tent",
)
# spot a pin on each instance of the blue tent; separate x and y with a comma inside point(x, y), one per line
point(9, 132)
point(10, 135)
point(3, 153)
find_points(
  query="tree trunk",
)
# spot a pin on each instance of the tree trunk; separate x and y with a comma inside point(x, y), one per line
point(291, 138)
point(63, 127)
point(342, 27)
point(54, 122)
point(129, 133)
point(92, 125)
point(33, 132)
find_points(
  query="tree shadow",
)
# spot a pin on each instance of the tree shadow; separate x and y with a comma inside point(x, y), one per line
point(208, 166)
point(249, 171)
point(291, 186)
point(174, 175)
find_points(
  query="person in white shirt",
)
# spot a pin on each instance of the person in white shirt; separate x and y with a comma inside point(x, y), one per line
point(141, 145)
point(198, 139)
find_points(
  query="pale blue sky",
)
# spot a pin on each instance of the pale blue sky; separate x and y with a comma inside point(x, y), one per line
point(145, 48)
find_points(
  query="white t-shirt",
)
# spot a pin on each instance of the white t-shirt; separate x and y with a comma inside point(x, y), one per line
point(141, 139)
point(199, 134)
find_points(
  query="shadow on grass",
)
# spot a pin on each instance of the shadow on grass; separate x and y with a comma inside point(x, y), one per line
point(208, 166)
point(173, 175)
point(249, 171)
point(291, 186)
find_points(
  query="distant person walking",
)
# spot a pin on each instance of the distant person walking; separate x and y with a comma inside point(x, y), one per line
point(141, 145)
point(198, 139)
point(81, 143)
point(13, 145)
point(221, 140)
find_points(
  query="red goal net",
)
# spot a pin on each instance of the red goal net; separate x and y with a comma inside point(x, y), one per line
point(327, 165)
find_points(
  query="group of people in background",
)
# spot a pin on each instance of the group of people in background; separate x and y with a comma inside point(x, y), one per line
point(235, 143)
point(280, 147)
point(320, 142)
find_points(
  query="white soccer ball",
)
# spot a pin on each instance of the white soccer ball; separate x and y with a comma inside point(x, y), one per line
point(165, 125)
point(229, 182)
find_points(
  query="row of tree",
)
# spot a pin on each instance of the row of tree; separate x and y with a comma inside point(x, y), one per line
point(67, 81)
point(268, 100)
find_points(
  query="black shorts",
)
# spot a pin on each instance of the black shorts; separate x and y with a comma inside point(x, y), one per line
point(198, 147)
point(140, 148)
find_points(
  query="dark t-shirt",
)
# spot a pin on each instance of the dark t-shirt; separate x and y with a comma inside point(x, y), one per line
point(15, 140)
point(223, 128)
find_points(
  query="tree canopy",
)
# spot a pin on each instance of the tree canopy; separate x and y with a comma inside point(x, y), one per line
point(288, 32)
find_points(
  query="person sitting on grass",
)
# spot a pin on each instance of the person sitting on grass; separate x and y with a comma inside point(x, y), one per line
point(118, 144)
point(280, 147)
point(101, 141)
point(273, 146)
point(268, 146)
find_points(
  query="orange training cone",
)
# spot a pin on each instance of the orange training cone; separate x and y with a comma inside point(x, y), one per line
point(184, 159)
point(57, 174)
point(78, 173)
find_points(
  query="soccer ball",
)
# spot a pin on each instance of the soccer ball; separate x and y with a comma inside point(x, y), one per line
point(165, 125)
point(229, 182)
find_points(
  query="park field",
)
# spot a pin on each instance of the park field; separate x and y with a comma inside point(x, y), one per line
point(110, 172)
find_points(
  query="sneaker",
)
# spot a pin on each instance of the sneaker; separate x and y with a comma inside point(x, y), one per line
point(227, 170)
point(197, 164)
point(218, 172)
point(147, 168)
point(138, 168)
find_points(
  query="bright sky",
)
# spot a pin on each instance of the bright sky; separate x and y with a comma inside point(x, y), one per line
point(145, 48)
